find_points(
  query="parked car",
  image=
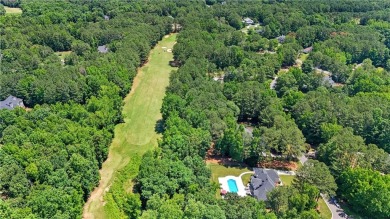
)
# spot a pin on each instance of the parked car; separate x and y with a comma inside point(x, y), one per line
point(334, 200)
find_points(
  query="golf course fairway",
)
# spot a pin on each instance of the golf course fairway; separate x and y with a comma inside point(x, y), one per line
point(141, 111)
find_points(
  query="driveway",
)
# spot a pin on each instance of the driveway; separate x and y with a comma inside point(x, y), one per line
point(302, 159)
point(333, 208)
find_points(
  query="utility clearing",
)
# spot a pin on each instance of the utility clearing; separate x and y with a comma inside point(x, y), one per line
point(141, 112)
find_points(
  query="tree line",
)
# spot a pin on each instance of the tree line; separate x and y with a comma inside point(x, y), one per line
point(52, 153)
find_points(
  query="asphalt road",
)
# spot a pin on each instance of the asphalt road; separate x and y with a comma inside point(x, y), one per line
point(336, 212)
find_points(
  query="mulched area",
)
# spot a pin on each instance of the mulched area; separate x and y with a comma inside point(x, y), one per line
point(279, 165)
point(225, 161)
point(211, 157)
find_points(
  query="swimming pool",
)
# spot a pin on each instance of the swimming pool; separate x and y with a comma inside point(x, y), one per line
point(232, 185)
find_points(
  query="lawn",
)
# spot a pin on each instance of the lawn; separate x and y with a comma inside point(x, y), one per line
point(303, 57)
point(253, 27)
point(63, 54)
point(286, 179)
point(9, 10)
point(324, 210)
point(141, 112)
point(218, 170)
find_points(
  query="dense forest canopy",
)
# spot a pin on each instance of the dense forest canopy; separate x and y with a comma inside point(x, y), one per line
point(336, 100)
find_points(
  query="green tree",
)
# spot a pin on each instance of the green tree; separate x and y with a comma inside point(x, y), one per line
point(317, 174)
point(370, 196)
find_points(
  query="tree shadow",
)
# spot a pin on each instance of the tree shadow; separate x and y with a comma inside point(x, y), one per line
point(159, 127)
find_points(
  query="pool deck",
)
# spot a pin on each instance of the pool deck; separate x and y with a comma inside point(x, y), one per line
point(223, 181)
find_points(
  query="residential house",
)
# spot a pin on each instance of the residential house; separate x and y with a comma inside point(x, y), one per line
point(307, 50)
point(11, 102)
point(248, 21)
point(281, 38)
point(103, 49)
point(262, 182)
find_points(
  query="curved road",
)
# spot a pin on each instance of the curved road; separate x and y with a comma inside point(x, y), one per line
point(333, 208)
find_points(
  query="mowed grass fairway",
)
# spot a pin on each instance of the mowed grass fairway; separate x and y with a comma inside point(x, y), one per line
point(9, 10)
point(141, 112)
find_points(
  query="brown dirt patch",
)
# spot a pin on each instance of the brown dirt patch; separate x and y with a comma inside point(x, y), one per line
point(211, 157)
point(279, 165)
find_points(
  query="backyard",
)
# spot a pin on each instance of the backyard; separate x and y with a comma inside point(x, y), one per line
point(286, 179)
point(218, 170)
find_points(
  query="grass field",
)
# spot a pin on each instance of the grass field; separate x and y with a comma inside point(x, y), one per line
point(63, 54)
point(303, 57)
point(9, 10)
point(218, 170)
point(324, 210)
point(286, 179)
point(137, 134)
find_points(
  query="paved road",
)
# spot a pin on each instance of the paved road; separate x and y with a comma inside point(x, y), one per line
point(333, 208)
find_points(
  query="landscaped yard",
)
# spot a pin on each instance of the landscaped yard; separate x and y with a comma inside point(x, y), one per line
point(324, 210)
point(63, 54)
point(218, 170)
point(303, 57)
point(286, 179)
point(9, 10)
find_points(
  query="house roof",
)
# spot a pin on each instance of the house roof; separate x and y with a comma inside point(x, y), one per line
point(328, 79)
point(106, 17)
point(248, 20)
point(281, 38)
point(103, 49)
point(11, 102)
point(262, 182)
point(249, 130)
point(308, 49)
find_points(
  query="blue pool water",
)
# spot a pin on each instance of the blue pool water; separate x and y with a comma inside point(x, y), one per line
point(232, 185)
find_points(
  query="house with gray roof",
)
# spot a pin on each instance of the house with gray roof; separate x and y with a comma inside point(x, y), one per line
point(11, 102)
point(248, 21)
point(262, 182)
point(281, 38)
point(307, 50)
point(103, 49)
